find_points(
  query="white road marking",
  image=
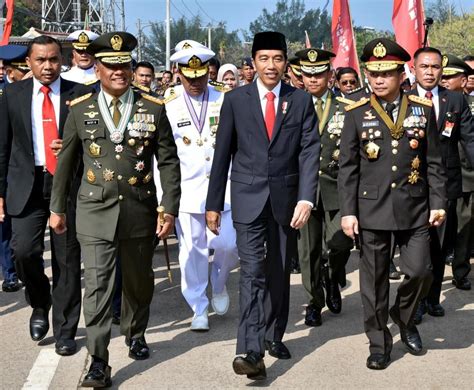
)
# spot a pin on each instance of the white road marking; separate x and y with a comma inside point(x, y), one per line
point(42, 372)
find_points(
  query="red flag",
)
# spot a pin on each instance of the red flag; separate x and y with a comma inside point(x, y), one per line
point(307, 42)
point(343, 41)
point(408, 17)
point(8, 23)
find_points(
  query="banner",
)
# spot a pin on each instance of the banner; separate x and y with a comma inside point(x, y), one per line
point(8, 23)
point(307, 43)
point(343, 39)
point(408, 17)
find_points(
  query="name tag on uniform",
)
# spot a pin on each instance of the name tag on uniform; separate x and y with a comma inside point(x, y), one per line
point(370, 124)
point(448, 128)
point(182, 124)
point(91, 122)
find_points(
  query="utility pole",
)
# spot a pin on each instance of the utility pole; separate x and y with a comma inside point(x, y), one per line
point(139, 28)
point(168, 35)
point(209, 27)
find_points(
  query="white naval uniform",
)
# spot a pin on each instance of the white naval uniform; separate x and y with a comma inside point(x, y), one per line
point(80, 75)
point(195, 239)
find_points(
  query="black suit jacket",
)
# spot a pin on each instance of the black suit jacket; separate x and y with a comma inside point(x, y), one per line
point(284, 169)
point(453, 108)
point(378, 191)
point(17, 160)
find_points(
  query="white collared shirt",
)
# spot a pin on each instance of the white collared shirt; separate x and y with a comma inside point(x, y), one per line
point(262, 92)
point(395, 110)
point(37, 117)
point(435, 99)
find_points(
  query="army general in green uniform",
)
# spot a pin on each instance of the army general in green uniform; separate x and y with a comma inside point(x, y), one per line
point(116, 132)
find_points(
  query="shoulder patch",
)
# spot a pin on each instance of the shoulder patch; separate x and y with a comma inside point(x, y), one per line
point(152, 99)
point(340, 99)
point(80, 99)
point(420, 100)
point(359, 103)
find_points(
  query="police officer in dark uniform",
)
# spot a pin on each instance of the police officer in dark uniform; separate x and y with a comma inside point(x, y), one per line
point(391, 180)
point(323, 229)
point(117, 132)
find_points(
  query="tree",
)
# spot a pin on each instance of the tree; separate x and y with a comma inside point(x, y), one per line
point(364, 35)
point(454, 37)
point(441, 11)
point(155, 43)
point(291, 19)
point(27, 13)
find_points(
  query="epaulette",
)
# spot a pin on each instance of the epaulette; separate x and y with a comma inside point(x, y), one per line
point(90, 82)
point(344, 100)
point(80, 99)
point(153, 99)
point(141, 87)
point(171, 95)
point(359, 103)
point(355, 90)
point(420, 100)
point(218, 86)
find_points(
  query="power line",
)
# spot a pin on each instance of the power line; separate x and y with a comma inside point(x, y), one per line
point(177, 9)
point(185, 6)
point(205, 13)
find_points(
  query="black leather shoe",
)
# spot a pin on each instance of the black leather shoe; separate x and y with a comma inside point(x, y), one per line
point(98, 375)
point(251, 365)
point(11, 285)
point(313, 316)
point(295, 266)
point(393, 272)
point(277, 349)
point(462, 284)
point(409, 334)
point(449, 258)
point(378, 361)
point(435, 310)
point(333, 298)
point(420, 311)
point(138, 348)
point(66, 347)
point(116, 319)
point(39, 324)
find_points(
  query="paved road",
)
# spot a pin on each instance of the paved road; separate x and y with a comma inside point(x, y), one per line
point(330, 357)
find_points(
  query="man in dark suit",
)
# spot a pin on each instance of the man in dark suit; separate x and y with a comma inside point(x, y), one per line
point(275, 160)
point(33, 113)
point(454, 125)
point(323, 229)
point(391, 181)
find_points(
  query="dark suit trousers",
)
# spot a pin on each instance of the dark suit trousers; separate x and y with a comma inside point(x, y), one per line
point(374, 282)
point(28, 231)
point(264, 280)
point(100, 265)
point(462, 252)
point(322, 227)
point(441, 242)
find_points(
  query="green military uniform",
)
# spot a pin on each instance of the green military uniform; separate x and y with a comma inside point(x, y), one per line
point(323, 229)
point(116, 206)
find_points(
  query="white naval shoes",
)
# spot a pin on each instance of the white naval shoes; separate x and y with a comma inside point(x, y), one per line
point(200, 323)
point(220, 302)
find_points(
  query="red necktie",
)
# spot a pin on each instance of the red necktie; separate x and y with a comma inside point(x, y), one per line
point(50, 129)
point(270, 113)
point(429, 95)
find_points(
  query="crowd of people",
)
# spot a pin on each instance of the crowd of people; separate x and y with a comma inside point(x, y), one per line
point(275, 164)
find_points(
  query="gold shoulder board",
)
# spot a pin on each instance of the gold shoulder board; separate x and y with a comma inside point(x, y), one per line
point(359, 103)
point(153, 99)
point(141, 87)
point(172, 95)
point(420, 100)
point(344, 100)
point(90, 82)
point(80, 99)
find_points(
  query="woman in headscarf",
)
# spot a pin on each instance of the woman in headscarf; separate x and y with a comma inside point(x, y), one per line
point(229, 75)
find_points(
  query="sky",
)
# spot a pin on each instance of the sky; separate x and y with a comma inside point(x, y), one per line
point(239, 13)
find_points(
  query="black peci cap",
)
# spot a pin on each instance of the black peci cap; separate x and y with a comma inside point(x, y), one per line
point(269, 40)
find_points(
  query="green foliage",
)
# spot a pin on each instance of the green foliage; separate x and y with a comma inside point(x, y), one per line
point(455, 36)
point(441, 11)
point(291, 19)
point(26, 14)
point(364, 36)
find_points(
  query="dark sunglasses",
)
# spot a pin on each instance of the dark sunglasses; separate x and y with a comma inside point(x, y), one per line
point(351, 82)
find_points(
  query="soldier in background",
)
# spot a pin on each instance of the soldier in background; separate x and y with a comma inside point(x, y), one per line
point(294, 71)
point(248, 71)
point(82, 71)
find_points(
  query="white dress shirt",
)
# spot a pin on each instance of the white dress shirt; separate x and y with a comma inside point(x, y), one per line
point(37, 117)
point(79, 75)
point(435, 91)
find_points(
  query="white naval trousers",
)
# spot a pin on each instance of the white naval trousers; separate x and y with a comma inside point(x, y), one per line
point(195, 240)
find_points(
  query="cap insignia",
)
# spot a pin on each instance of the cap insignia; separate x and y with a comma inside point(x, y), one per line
point(194, 62)
point(116, 41)
point(187, 46)
point(445, 61)
point(312, 55)
point(83, 38)
point(379, 50)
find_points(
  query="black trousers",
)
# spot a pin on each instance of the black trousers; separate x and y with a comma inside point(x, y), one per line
point(374, 281)
point(464, 240)
point(264, 280)
point(28, 232)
